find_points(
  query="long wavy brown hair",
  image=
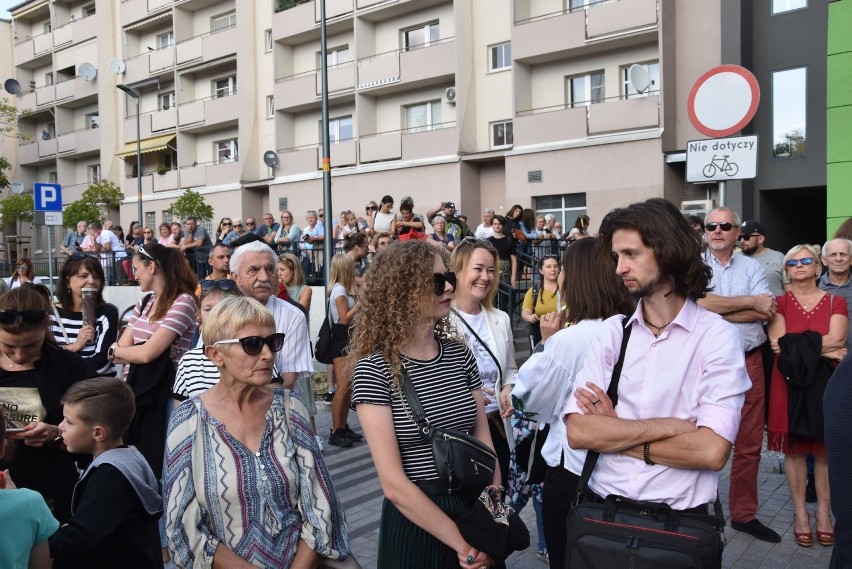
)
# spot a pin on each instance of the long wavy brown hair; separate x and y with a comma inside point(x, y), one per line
point(398, 290)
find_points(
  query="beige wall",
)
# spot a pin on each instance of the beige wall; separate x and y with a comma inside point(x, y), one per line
point(387, 32)
point(202, 20)
point(492, 96)
point(389, 114)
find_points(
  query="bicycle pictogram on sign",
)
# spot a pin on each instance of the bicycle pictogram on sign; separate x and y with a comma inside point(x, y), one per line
point(720, 164)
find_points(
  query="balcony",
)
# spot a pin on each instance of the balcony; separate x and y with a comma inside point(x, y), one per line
point(147, 64)
point(84, 141)
point(209, 111)
point(76, 31)
point(624, 115)
point(166, 182)
point(76, 89)
point(32, 48)
point(28, 153)
point(381, 147)
point(209, 174)
point(47, 148)
point(296, 24)
point(414, 67)
point(545, 35)
point(45, 95)
point(550, 124)
point(301, 91)
point(27, 101)
point(443, 141)
point(135, 10)
point(131, 185)
point(298, 160)
point(207, 47)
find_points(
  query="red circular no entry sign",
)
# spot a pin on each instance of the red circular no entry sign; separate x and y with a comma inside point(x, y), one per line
point(723, 100)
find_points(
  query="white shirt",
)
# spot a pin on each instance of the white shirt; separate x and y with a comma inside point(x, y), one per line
point(295, 355)
point(488, 371)
point(483, 232)
point(116, 246)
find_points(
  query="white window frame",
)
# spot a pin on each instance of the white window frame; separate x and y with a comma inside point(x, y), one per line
point(229, 19)
point(226, 91)
point(88, 10)
point(151, 222)
point(508, 134)
point(588, 97)
point(427, 28)
point(48, 78)
point(566, 214)
point(335, 56)
point(270, 106)
point(334, 128)
point(228, 145)
point(166, 40)
point(787, 6)
point(575, 5)
point(93, 173)
point(46, 27)
point(93, 120)
point(653, 69)
point(166, 101)
point(502, 53)
point(431, 122)
point(267, 41)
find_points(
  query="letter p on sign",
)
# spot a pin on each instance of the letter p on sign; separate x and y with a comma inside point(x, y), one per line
point(48, 197)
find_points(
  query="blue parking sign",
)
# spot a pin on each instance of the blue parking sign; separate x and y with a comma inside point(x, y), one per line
point(48, 197)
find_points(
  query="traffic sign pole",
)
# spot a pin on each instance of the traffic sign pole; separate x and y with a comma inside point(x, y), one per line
point(48, 198)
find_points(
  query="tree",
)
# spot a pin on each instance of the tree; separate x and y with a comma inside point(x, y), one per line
point(4, 179)
point(17, 208)
point(9, 119)
point(191, 204)
point(89, 208)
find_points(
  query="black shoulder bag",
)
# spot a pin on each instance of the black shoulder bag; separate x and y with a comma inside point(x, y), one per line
point(465, 465)
point(322, 352)
point(622, 533)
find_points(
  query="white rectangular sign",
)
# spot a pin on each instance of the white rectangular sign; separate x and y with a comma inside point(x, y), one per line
point(719, 159)
point(53, 218)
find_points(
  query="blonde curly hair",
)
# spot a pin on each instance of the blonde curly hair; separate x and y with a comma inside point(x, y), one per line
point(398, 290)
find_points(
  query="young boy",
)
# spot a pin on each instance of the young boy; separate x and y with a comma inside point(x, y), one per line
point(116, 504)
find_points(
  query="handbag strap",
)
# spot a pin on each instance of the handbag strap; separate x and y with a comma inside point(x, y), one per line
point(612, 393)
point(59, 321)
point(424, 428)
point(481, 343)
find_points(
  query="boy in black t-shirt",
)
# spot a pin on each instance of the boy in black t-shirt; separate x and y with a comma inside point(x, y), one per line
point(116, 503)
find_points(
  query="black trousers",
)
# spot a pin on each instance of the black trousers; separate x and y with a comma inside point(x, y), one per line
point(557, 494)
point(501, 447)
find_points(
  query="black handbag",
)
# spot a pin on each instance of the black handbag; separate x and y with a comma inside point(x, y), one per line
point(322, 351)
point(465, 465)
point(621, 532)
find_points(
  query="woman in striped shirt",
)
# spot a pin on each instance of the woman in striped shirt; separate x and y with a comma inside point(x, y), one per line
point(403, 333)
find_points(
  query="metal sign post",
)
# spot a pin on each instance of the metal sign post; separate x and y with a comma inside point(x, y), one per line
point(47, 199)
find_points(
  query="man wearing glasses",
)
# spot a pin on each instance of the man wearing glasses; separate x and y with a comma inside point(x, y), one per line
point(837, 257)
point(741, 295)
point(752, 243)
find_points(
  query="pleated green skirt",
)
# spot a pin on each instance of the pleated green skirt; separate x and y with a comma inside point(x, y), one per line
point(403, 545)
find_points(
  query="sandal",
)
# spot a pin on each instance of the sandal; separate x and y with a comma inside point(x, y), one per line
point(804, 538)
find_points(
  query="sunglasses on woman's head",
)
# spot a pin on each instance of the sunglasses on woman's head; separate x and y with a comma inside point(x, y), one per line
point(221, 284)
point(441, 281)
point(806, 261)
point(253, 345)
point(146, 254)
point(27, 316)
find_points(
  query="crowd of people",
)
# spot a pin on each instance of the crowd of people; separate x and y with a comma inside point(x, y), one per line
point(188, 439)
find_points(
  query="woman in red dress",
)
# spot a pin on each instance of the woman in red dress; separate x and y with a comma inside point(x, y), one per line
point(804, 307)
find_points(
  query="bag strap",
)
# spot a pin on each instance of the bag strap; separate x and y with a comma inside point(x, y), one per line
point(424, 428)
point(59, 321)
point(482, 343)
point(612, 393)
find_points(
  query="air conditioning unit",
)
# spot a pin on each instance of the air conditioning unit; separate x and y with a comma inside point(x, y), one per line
point(697, 207)
point(450, 95)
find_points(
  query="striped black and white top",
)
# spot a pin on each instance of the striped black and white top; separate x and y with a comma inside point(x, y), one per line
point(106, 333)
point(444, 386)
point(195, 374)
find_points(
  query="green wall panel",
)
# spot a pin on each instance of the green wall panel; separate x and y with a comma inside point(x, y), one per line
point(839, 24)
point(839, 121)
point(839, 87)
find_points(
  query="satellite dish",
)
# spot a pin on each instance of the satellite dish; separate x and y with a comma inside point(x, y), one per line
point(12, 86)
point(270, 158)
point(17, 186)
point(638, 77)
point(117, 65)
point(87, 71)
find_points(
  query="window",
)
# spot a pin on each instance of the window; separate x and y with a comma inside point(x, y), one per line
point(224, 22)
point(500, 57)
point(225, 86)
point(586, 89)
point(782, 6)
point(48, 78)
point(423, 116)
point(166, 101)
point(51, 177)
point(268, 40)
point(564, 207)
point(165, 40)
point(336, 56)
point(789, 112)
point(270, 106)
point(46, 27)
point(226, 151)
point(151, 221)
point(94, 173)
point(339, 129)
point(653, 69)
point(39, 234)
point(421, 36)
point(93, 120)
point(89, 10)
point(501, 134)
point(575, 5)
point(167, 218)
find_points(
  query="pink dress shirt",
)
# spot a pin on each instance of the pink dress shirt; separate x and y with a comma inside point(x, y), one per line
point(695, 371)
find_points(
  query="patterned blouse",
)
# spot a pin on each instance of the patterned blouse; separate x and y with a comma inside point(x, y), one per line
point(257, 504)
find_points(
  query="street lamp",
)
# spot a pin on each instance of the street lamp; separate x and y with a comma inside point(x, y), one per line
point(135, 94)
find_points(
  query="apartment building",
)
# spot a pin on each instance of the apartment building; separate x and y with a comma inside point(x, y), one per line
point(483, 102)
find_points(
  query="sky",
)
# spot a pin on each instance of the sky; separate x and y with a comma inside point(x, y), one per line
point(4, 8)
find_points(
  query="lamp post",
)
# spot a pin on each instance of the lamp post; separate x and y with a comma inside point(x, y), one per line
point(135, 94)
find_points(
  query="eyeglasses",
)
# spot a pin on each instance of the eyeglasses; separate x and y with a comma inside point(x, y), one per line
point(226, 223)
point(238, 225)
point(286, 217)
point(725, 226)
point(250, 223)
point(221, 284)
point(24, 267)
point(441, 281)
point(806, 261)
point(27, 316)
point(372, 208)
point(745, 237)
point(253, 345)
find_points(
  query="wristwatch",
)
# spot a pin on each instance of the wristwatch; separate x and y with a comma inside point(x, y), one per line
point(111, 352)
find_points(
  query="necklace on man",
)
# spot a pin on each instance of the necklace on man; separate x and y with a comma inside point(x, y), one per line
point(660, 329)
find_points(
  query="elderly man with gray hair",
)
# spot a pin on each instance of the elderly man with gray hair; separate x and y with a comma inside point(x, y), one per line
point(484, 230)
point(836, 255)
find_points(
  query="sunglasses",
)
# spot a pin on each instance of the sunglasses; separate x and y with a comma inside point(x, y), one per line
point(321, 215)
point(24, 267)
point(253, 345)
point(146, 254)
point(27, 316)
point(745, 237)
point(226, 223)
point(725, 226)
point(372, 208)
point(806, 261)
point(441, 281)
point(221, 284)
point(250, 223)
point(238, 225)
point(78, 257)
point(475, 241)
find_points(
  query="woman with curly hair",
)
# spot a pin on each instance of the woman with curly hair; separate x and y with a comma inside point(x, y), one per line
point(403, 333)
